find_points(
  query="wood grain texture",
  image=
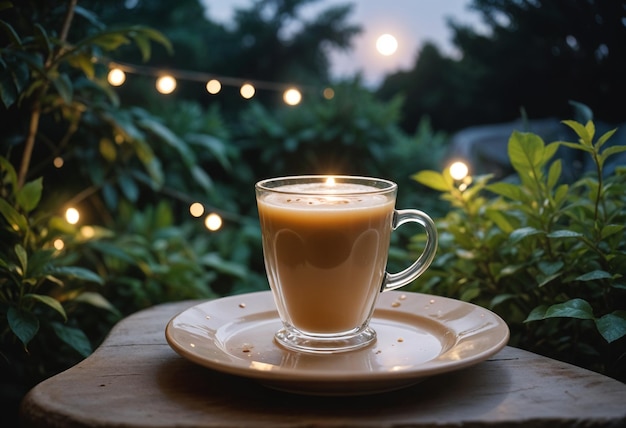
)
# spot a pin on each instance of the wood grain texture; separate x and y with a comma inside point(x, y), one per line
point(134, 379)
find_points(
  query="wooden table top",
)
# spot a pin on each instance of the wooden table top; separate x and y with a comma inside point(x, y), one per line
point(134, 379)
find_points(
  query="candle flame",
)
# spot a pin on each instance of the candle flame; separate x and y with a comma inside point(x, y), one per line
point(330, 181)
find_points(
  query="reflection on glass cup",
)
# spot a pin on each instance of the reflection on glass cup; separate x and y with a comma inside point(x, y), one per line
point(325, 244)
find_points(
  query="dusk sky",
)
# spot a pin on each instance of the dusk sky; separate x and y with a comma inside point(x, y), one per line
point(411, 22)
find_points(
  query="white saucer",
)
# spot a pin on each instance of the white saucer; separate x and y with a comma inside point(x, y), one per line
point(419, 335)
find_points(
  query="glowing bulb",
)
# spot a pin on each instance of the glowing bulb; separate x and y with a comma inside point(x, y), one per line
point(213, 222)
point(386, 44)
point(116, 77)
point(58, 162)
point(58, 244)
point(329, 93)
point(72, 215)
point(247, 91)
point(196, 209)
point(166, 84)
point(292, 97)
point(458, 170)
point(213, 86)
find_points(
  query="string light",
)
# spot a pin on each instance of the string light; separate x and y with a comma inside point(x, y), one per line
point(116, 77)
point(166, 84)
point(292, 96)
point(72, 215)
point(213, 86)
point(196, 209)
point(58, 162)
point(213, 222)
point(247, 91)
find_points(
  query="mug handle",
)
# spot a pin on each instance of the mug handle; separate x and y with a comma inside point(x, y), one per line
point(392, 281)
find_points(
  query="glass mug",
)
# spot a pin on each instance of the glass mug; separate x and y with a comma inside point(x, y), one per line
point(325, 245)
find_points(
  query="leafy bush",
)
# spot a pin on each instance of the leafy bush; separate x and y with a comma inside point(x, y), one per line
point(549, 257)
point(118, 163)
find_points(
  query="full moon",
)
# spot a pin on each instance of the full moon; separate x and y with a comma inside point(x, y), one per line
point(386, 44)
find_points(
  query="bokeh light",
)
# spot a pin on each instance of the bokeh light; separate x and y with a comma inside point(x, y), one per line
point(88, 231)
point(196, 209)
point(166, 84)
point(72, 215)
point(292, 97)
point(247, 91)
point(213, 86)
point(213, 222)
point(116, 77)
point(329, 93)
point(459, 170)
point(58, 244)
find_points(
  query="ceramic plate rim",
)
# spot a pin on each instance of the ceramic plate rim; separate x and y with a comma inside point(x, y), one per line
point(428, 368)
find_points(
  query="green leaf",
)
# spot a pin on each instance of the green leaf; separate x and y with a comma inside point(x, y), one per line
point(578, 146)
point(470, 294)
point(525, 151)
point(42, 36)
point(550, 268)
point(605, 137)
point(501, 298)
point(96, 300)
point(508, 190)
point(554, 174)
point(524, 232)
point(12, 35)
point(575, 308)
point(543, 280)
point(594, 276)
point(611, 151)
point(109, 41)
point(16, 220)
point(157, 37)
point(23, 324)
point(500, 220)
point(537, 314)
point(150, 162)
point(74, 337)
point(612, 326)
point(564, 234)
point(63, 85)
point(143, 43)
point(11, 175)
point(108, 149)
point(111, 250)
point(29, 195)
point(214, 261)
point(83, 61)
point(76, 273)
point(49, 301)
point(166, 135)
point(214, 145)
point(22, 256)
point(202, 178)
point(581, 131)
point(611, 229)
point(433, 179)
point(129, 187)
point(549, 151)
